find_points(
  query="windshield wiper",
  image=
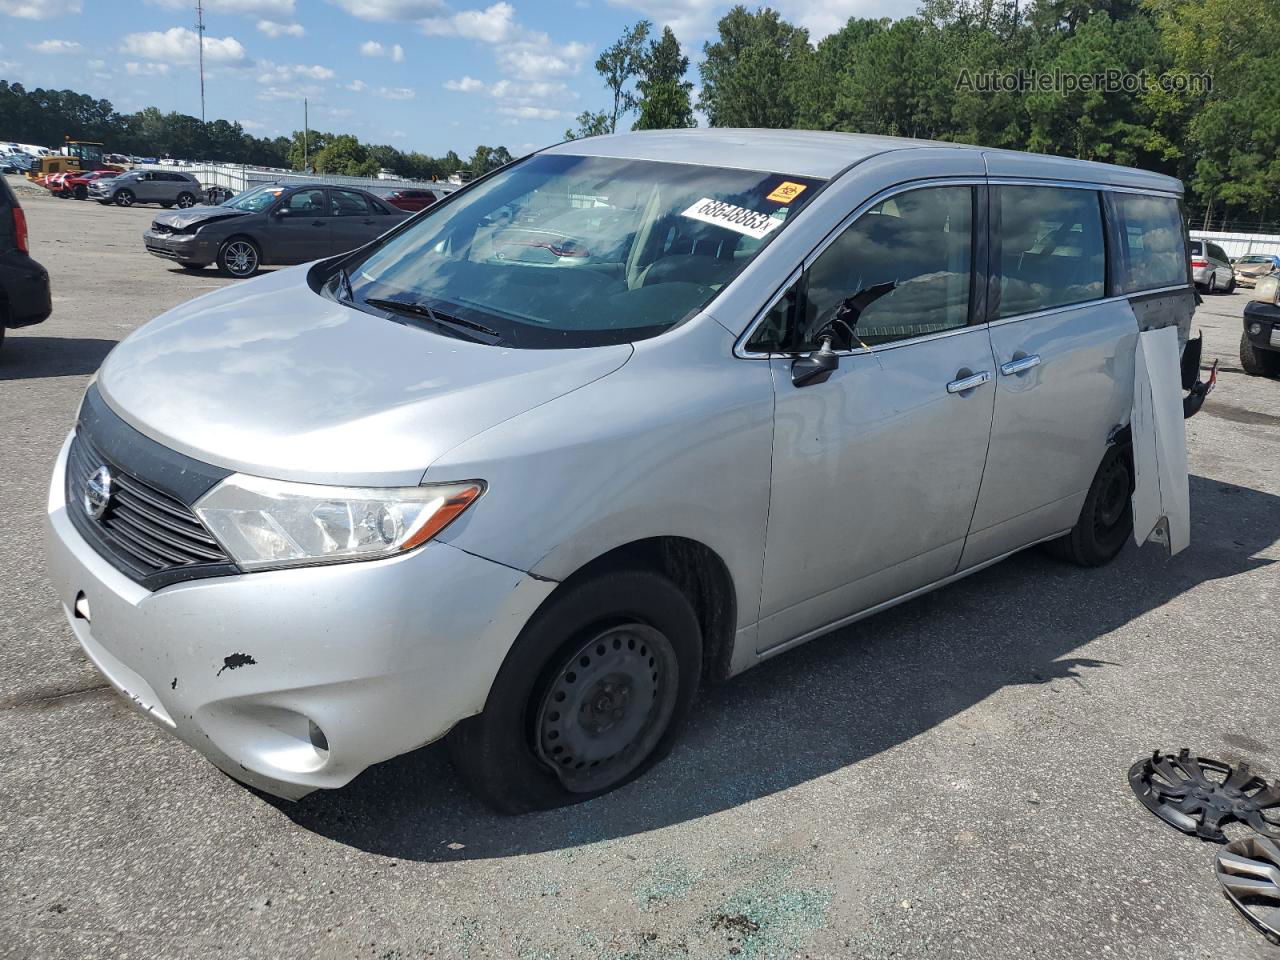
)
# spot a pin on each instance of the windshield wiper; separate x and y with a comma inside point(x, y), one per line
point(343, 287)
point(453, 324)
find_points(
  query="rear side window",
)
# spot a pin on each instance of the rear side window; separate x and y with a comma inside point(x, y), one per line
point(1049, 248)
point(1218, 253)
point(1152, 250)
point(347, 203)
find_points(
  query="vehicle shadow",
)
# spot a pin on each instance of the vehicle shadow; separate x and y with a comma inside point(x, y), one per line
point(826, 705)
point(25, 357)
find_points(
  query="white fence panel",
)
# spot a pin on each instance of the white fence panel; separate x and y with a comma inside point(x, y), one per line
point(1240, 244)
point(237, 177)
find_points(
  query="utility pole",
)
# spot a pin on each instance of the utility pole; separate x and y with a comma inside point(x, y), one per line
point(200, 35)
point(304, 135)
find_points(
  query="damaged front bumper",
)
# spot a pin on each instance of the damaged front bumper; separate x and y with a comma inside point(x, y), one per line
point(294, 680)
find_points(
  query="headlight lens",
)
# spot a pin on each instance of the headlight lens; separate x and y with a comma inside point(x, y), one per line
point(274, 523)
point(1267, 289)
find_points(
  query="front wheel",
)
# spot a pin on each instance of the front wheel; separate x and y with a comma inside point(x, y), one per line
point(1106, 519)
point(239, 258)
point(1258, 363)
point(82, 192)
point(186, 200)
point(592, 694)
point(124, 198)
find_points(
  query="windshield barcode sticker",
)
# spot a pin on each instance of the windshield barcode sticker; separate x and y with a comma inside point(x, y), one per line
point(739, 219)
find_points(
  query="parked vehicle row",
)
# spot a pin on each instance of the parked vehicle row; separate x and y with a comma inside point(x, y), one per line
point(524, 472)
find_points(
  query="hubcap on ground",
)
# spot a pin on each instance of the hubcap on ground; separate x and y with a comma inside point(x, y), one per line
point(607, 707)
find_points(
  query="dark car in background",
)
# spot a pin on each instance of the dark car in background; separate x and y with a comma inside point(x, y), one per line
point(164, 187)
point(271, 225)
point(24, 284)
point(412, 199)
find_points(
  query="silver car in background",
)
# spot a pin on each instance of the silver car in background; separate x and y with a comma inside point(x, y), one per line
point(611, 422)
point(1211, 267)
point(165, 187)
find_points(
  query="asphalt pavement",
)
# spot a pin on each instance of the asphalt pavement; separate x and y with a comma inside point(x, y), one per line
point(947, 779)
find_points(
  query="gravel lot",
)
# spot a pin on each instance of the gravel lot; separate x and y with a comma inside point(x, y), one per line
point(944, 780)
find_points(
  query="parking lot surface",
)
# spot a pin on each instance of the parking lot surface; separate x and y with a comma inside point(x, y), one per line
point(947, 779)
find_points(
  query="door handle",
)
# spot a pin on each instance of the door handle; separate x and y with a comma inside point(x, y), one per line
point(1020, 364)
point(969, 382)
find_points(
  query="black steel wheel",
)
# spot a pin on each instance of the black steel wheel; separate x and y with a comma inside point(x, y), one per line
point(124, 197)
point(1106, 519)
point(239, 258)
point(592, 694)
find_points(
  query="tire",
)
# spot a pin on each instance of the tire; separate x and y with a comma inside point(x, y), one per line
point(82, 192)
point(239, 258)
point(1106, 519)
point(518, 755)
point(193, 267)
point(1231, 285)
point(124, 198)
point(105, 203)
point(186, 200)
point(1255, 362)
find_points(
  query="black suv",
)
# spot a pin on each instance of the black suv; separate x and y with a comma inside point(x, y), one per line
point(24, 284)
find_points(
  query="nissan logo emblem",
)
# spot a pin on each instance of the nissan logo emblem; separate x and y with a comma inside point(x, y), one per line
point(97, 493)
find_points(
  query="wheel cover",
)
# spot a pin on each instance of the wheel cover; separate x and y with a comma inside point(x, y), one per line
point(1198, 795)
point(607, 707)
point(124, 198)
point(186, 200)
point(1249, 871)
point(241, 258)
point(1113, 496)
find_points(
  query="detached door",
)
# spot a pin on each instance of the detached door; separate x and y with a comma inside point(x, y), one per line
point(877, 469)
point(301, 230)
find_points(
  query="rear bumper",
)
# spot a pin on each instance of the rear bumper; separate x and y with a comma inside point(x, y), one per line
point(26, 287)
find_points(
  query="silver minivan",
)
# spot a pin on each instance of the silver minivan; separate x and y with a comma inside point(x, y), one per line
point(627, 416)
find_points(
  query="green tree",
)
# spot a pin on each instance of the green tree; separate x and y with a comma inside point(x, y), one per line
point(343, 155)
point(589, 125)
point(488, 158)
point(752, 72)
point(619, 65)
point(664, 93)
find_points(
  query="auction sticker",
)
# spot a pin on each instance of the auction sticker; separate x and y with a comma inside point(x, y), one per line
point(731, 217)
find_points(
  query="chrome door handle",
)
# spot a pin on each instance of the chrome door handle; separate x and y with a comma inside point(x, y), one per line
point(965, 384)
point(1020, 365)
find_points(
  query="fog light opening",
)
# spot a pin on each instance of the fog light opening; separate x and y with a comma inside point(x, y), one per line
point(1255, 328)
point(319, 742)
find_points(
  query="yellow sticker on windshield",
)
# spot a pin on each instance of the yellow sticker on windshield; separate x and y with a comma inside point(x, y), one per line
point(786, 191)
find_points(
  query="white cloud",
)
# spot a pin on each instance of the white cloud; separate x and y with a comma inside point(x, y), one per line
point(392, 10)
point(55, 46)
point(291, 92)
point(534, 60)
point(495, 24)
point(273, 29)
point(272, 9)
point(39, 9)
point(465, 85)
point(397, 53)
point(252, 124)
point(689, 19)
point(398, 134)
point(180, 45)
point(283, 73)
point(357, 86)
point(523, 92)
point(146, 69)
point(829, 16)
point(395, 93)
point(371, 48)
point(530, 113)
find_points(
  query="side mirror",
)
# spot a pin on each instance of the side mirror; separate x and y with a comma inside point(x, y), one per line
point(816, 367)
point(280, 211)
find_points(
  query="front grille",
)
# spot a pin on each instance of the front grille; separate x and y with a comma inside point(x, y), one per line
point(144, 530)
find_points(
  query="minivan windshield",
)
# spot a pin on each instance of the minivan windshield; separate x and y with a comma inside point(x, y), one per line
point(570, 251)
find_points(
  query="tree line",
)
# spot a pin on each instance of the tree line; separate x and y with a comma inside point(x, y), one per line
point(1187, 87)
point(45, 117)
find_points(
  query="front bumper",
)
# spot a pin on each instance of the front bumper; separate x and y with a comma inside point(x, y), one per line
point(190, 249)
point(381, 657)
point(1267, 318)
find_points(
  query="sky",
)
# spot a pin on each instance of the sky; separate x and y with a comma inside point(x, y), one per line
point(428, 75)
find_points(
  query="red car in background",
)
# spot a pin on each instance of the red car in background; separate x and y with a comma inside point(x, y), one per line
point(77, 184)
point(412, 199)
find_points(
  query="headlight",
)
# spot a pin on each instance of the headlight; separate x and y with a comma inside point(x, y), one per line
point(1267, 289)
point(274, 523)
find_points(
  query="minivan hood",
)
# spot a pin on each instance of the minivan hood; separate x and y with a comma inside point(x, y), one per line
point(270, 378)
point(182, 219)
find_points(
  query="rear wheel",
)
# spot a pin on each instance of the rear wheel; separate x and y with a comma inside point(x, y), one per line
point(186, 200)
point(82, 192)
point(593, 694)
point(239, 258)
point(124, 198)
point(1258, 363)
point(1106, 519)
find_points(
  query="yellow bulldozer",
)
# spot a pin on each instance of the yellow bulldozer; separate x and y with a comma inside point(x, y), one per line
point(76, 156)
